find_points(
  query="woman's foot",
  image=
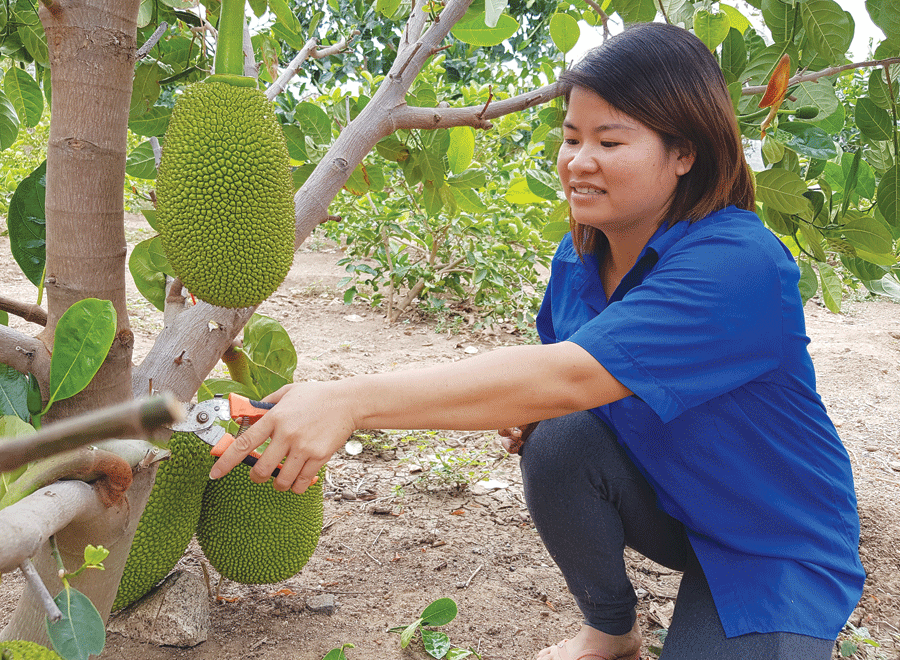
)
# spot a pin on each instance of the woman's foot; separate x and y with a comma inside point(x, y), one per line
point(592, 641)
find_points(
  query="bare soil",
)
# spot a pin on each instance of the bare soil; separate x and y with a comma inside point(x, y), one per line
point(399, 535)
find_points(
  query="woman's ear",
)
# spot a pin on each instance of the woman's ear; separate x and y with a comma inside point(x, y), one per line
point(686, 157)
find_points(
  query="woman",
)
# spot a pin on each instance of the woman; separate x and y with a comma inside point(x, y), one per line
point(681, 417)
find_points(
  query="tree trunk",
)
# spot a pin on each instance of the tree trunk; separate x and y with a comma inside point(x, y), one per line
point(92, 47)
point(92, 54)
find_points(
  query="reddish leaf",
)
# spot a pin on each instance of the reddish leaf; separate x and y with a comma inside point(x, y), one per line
point(778, 83)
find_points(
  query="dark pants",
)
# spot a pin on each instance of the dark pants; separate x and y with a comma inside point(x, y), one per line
point(588, 501)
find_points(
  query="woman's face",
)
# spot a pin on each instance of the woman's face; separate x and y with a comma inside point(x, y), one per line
point(617, 173)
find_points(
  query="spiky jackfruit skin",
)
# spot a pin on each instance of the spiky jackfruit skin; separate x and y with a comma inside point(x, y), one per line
point(225, 195)
point(254, 534)
point(168, 522)
point(21, 650)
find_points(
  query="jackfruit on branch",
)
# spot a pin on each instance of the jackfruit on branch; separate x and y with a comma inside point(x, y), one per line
point(18, 649)
point(254, 534)
point(169, 519)
point(225, 194)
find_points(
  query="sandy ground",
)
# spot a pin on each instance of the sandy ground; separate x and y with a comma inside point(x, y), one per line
point(398, 536)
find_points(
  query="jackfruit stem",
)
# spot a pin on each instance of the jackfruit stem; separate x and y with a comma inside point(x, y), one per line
point(230, 46)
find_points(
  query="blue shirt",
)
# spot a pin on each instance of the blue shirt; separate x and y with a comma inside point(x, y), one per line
point(707, 331)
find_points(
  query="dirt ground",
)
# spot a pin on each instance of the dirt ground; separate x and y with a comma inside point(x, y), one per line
point(398, 535)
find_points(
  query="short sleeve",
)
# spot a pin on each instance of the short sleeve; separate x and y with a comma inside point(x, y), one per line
point(704, 321)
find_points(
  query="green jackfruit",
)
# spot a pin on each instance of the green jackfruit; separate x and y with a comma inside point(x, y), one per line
point(168, 522)
point(254, 534)
point(225, 195)
point(21, 650)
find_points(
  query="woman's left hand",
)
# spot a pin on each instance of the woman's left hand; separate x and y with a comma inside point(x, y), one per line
point(309, 423)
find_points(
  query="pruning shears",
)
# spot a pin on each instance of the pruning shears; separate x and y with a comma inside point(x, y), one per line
point(200, 419)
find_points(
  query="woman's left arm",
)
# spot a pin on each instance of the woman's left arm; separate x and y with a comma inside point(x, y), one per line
point(503, 388)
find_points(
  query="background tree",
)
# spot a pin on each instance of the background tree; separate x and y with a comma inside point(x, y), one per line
point(384, 133)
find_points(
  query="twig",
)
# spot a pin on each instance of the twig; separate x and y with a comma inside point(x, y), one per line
point(28, 311)
point(380, 532)
point(815, 75)
point(40, 589)
point(472, 577)
point(129, 420)
point(373, 558)
point(603, 17)
point(144, 50)
point(309, 50)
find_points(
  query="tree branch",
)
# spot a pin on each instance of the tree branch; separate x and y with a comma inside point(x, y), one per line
point(816, 75)
point(29, 312)
point(309, 50)
point(24, 353)
point(407, 117)
point(26, 525)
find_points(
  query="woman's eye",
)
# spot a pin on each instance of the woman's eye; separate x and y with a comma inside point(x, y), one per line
point(571, 141)
point(608, 144)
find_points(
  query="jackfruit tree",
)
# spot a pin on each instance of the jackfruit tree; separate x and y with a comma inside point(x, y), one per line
point(380, 103)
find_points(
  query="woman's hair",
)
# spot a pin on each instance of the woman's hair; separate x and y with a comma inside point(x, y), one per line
point(667, 79)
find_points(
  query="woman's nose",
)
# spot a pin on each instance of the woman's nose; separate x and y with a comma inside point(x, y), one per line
point(583, 161)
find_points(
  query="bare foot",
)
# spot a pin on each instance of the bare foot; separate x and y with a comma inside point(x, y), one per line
point(589, 639)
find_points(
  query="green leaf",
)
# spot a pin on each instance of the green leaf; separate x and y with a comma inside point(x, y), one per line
point(711, 28)
point(273, 357)
point(440, 612)
point(879, 91)
point(467, 199)
point(25, 95)
point(828, 28)
point(83, 337)
point(472, 30)
point(806, 139)
point(13, 393)
point(213, 386)
point(259, 7)
point(734, 52)
point(436, 643)
point(145, 89)
point(387, 8)
point(782, 190)
point(94, 555)
point(148, 266)
point(462, 148)
point(886, 15)
point(779, 18)
point(820, 95)
point(31, 32)
point(141, 163)
point(314, 121)
point(543, 184)
point(636, 11)
point(9, 123)
point(813, 237)
point(292, 38)
point(150, 216)
point(867, 233)
point(493, 9)
point(564, 31)
point(457, 653)
point(407, 635)
point(520, 193)
point(80, 633)
point(809, 283)
point(392, 149)
point(888, 196)
point(831, 288)
point(296, 142)
point(887, 286)
point(285, 15)
point(152, 123)
point(874, 122)
point(735, 18)
point(27, 222)
point(469, 179)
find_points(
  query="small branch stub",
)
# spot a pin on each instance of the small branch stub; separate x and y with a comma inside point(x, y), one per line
point(33, 579)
